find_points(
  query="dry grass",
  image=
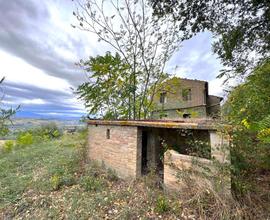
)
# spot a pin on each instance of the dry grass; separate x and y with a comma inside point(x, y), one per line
point(85, 190)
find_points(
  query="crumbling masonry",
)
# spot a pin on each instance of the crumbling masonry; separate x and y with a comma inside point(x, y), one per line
point(133, 147)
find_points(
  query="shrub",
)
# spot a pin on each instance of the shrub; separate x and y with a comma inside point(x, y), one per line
point(55, 182)
point(83, 132)
point(46, 132)
point(90, 183)
point(68, 180)
point(199, 148)
point(8, 146)
point(25, 139)
point(111, 175)
point(162, 205)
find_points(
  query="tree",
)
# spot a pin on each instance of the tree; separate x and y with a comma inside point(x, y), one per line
point(106, 92)
point(247, 110)
point(250, 100)
point(5, 113)
point(240, 27)
point(144, 44)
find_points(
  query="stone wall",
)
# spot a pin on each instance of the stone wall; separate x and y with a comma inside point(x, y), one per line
point(213, 106)
point(119, 151)
point(180, 171)
point(174, 98)
point(200, 112)
point(183, 172)
point(220, 147)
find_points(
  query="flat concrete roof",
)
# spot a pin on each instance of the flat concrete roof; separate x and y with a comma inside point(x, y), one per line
point(197, 124)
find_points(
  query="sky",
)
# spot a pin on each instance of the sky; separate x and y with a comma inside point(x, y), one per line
point(39, 49)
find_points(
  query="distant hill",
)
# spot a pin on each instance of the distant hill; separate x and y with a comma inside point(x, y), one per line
point(27, 123)
point(32, 115)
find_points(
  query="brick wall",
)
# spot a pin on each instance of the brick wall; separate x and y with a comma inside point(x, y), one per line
point(119, 152)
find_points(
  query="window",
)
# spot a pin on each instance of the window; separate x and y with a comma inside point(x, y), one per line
point(108, 134)
point(186, 115)
point(163, 98)
point(186, 94)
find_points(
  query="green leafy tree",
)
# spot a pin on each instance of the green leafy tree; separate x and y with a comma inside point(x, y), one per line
point(249, 102)
point(240, 27)
point(247, 110)
point(107, 91)
point(144, 44)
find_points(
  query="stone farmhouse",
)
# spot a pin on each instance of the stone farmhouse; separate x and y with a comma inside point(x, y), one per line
point(185, 98)
point(186, 133)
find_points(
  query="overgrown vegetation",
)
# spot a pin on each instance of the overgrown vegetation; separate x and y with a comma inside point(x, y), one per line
point(247, 110)
point(240, 28)
point(53, 179)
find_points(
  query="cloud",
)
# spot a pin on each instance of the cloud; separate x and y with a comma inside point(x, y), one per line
point(27, 102)
point(29, 31)
point(41, 100)
point(38, 50)
point(195, 60)
point(18, 71)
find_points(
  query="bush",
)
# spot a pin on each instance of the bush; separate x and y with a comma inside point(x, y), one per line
point(58, 180)
point(25, 139)
point(112, 176)
point(47, 132)
point(90, 183)
point(8, 146)
point(55, 182)
point(162, 205)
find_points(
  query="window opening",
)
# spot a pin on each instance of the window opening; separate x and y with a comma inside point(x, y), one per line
point(163, 97)
point(186, 94)
point(108, 134)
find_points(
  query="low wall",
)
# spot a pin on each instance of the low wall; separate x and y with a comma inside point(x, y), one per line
point(183, 172)
point(116, 147)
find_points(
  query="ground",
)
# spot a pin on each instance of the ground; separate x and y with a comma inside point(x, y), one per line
point(53, 179)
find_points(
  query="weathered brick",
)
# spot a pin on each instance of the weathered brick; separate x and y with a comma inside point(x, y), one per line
point(120, 152)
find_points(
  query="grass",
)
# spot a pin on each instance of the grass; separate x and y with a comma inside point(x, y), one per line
point(32, 167)
point(53, 179)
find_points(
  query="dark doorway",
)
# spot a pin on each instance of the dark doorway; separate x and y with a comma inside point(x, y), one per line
point(144, 152)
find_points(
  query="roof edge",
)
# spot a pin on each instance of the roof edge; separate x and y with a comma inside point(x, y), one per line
point(195, 124)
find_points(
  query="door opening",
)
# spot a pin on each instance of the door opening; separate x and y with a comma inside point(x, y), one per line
point(144, 152)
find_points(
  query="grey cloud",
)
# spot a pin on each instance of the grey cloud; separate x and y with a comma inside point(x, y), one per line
point(22, 35)
point(14, 13)
point(55, 100)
